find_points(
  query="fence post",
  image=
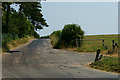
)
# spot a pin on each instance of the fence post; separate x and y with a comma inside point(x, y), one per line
point(97, 55)
point(116, 45)
point(100, 57)
point(113, 44)
point(103, 42)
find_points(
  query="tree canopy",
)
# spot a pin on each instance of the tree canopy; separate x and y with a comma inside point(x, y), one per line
point(23, 22)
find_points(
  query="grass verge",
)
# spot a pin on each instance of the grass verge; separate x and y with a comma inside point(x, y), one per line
point(6, 46)
point(109, 64)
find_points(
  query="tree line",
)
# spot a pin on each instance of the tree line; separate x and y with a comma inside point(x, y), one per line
point(26, 21)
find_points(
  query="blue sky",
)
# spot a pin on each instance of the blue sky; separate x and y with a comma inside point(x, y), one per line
point(93, 17)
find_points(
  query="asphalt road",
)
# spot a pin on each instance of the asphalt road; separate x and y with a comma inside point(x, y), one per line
point(39, 60)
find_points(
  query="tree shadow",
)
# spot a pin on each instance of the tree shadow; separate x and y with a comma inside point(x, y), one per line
point(12, 51)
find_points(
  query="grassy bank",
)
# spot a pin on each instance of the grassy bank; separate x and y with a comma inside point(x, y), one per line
point(109, 64)
point(7, 45)
point(92, 46)
point(56, 39)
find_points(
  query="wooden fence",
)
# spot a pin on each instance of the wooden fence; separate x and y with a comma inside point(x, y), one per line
point(78, 41)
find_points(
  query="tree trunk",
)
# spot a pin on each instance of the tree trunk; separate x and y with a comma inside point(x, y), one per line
point(7, 16)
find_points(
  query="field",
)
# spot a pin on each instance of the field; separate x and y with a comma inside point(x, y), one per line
point(109, 62)
point(92, 46)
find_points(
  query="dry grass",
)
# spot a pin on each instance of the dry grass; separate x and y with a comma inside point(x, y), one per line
point(15, 43)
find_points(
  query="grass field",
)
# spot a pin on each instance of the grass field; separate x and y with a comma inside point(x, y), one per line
point(92, 46)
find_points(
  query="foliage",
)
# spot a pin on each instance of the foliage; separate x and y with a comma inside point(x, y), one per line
point(22, 23)
point(44, 36)
point(70, 33)
point(108, 64)
point(36, 35)
point(67, 36)
point(32, 11)
point(5, 46)
point(56, 39)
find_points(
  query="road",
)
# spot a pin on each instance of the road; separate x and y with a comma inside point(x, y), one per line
point(39, 60)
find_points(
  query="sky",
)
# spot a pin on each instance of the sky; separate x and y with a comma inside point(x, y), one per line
point(95, 18)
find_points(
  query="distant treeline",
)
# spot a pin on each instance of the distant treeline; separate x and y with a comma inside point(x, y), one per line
point(44, 36)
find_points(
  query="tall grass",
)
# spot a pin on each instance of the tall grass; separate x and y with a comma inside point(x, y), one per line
point(56, 39)
point(10, 41)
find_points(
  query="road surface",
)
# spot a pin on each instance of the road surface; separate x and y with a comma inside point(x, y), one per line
point(39, 60)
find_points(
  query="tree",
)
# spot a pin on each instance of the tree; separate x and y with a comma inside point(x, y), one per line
point(33, 12)
point(70, 33)
point(6, 6)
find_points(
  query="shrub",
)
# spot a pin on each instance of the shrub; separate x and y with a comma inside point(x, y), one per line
point(56, 39)
point(5, 46)
point(70, 33)
point(67, 36)
point(36, 35)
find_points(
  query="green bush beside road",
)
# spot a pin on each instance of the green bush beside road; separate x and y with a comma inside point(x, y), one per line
point(56, 39)
point(67, 36)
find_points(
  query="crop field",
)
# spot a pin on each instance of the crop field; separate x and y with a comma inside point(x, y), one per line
point(93, 45)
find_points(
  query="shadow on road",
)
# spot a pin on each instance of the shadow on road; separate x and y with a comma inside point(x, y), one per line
point(12, 51)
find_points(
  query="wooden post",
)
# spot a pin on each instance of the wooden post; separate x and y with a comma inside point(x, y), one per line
point(113, 44)
point(100, 57)
point(97, 55)
point(103, 42)
point(116, 45)
point(106, 47)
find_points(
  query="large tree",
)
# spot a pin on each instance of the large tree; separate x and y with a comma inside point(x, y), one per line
point(22, 22)
point(33, 12)
point(6, 7)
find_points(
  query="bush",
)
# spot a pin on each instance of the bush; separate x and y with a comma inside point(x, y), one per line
point(36, 35)
point(5, 46)
point(56, 39)
point(70, 33)
point(67, 36)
